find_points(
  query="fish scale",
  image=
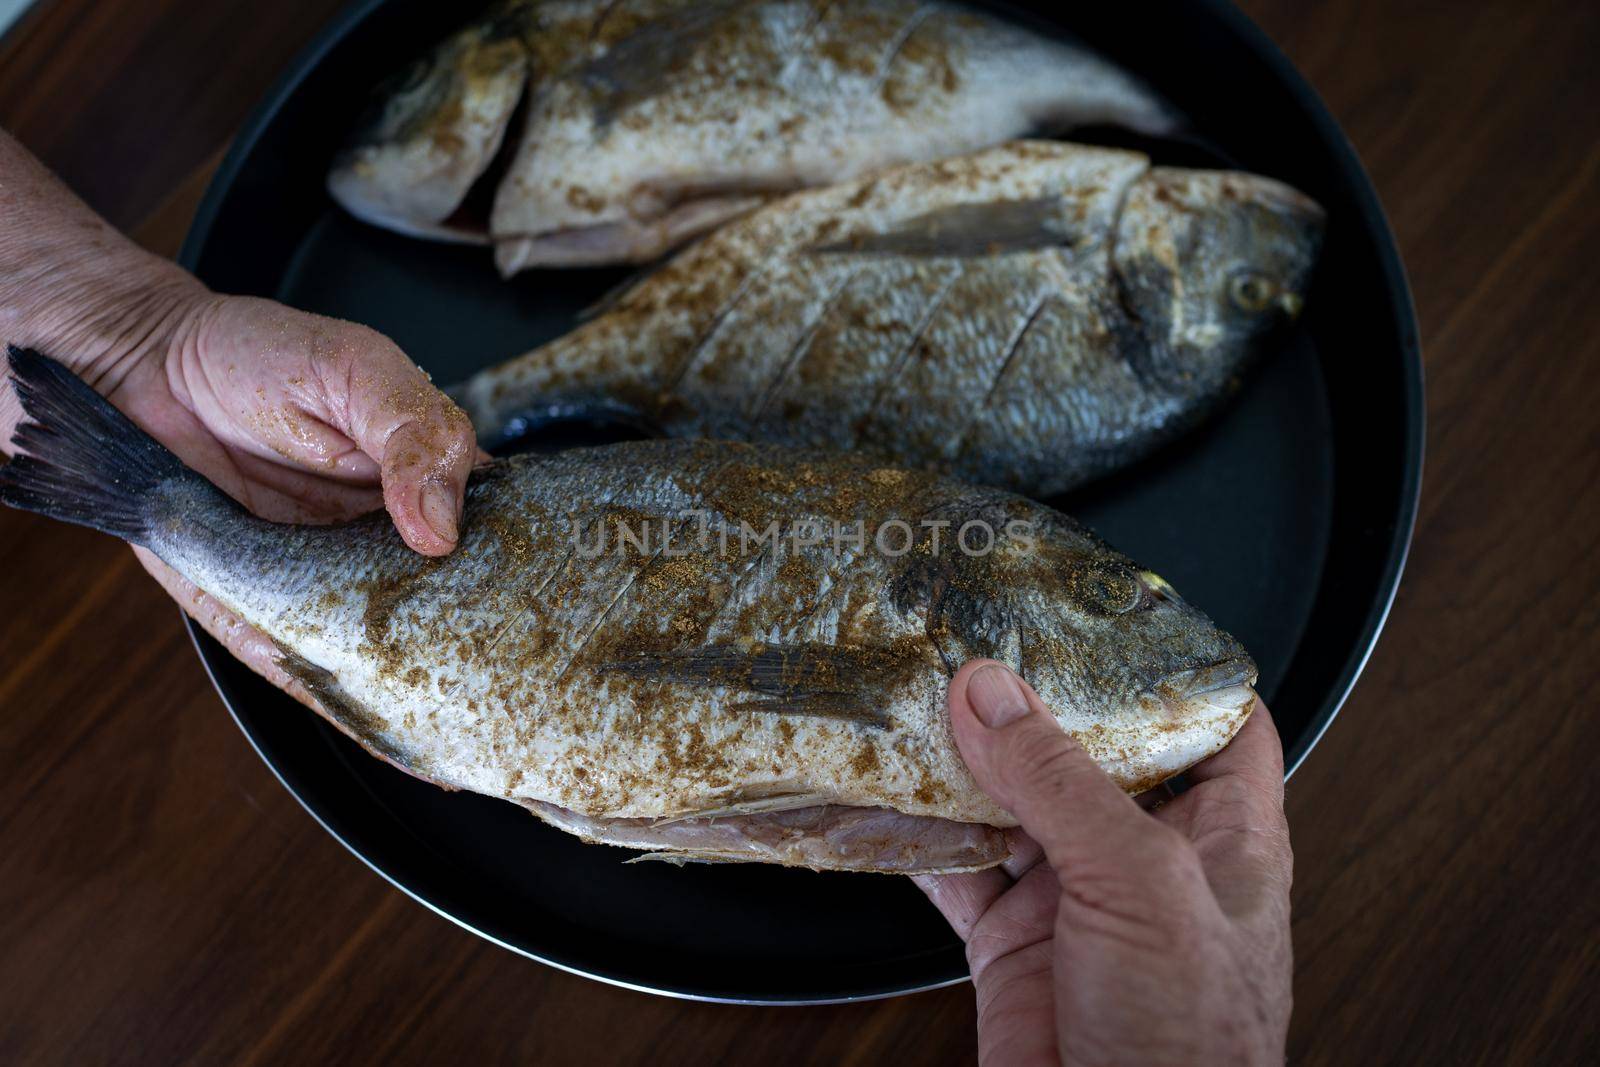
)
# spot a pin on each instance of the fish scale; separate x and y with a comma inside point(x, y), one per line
point(958, 355)
point(754, 341)
point(855, 350)
point(802, 347)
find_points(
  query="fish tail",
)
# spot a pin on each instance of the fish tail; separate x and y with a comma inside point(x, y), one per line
point(80, 459)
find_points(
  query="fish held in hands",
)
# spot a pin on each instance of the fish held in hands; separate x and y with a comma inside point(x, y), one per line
point(647, 122)
point(1033, 315)
point(706, 651)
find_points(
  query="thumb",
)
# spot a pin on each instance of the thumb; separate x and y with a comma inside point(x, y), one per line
point(1022, 758)
point(423, 443)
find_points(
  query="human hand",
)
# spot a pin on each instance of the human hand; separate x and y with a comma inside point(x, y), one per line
point(1113, 935)
point(299, 417)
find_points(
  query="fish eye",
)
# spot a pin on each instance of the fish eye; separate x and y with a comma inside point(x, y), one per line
point(1112, 591)
point(1251, 291)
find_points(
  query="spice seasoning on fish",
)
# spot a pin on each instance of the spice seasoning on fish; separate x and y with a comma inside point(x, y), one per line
point(783, 705)
point(1095, 306)
point(682, 115)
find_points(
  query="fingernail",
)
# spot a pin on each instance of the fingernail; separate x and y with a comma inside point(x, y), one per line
point(996, 696)
point(439, 511)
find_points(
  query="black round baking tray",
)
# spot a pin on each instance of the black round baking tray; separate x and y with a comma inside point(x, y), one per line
point(1287, 519)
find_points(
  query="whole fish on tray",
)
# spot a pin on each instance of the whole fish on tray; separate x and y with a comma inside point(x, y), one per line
point(1033, 316)
point(707, 651)
point(649, 121)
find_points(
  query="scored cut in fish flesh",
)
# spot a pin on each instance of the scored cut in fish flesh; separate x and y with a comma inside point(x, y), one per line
point(1032, 315)
point(646, 122)
point(608, 647)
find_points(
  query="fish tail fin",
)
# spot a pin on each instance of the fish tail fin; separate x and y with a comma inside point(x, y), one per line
point(80, 459)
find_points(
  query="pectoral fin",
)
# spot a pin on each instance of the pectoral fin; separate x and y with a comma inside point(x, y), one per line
point(830, 681)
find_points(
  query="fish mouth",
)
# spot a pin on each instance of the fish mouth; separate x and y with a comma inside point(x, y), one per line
point(1210, 678)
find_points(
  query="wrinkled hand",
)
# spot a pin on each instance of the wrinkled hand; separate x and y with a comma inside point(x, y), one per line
point(304, 418)
point(1113, 935)
point(300, 418)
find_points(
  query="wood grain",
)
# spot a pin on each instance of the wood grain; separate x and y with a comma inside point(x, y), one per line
point(163, 898)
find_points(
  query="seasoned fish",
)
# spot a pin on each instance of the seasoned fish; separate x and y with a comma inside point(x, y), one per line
point(705, 650)
point(433, 129)
point(649, 121)
point(1030, 316)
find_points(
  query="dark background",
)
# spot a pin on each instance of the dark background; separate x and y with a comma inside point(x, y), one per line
point(161, 894)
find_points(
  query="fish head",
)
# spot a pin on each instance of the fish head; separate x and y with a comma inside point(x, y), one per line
point(1139, 676)
point(1209, 264)
point(431, 130)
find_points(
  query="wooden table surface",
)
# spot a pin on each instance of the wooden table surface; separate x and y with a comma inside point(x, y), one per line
point(163, 898)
